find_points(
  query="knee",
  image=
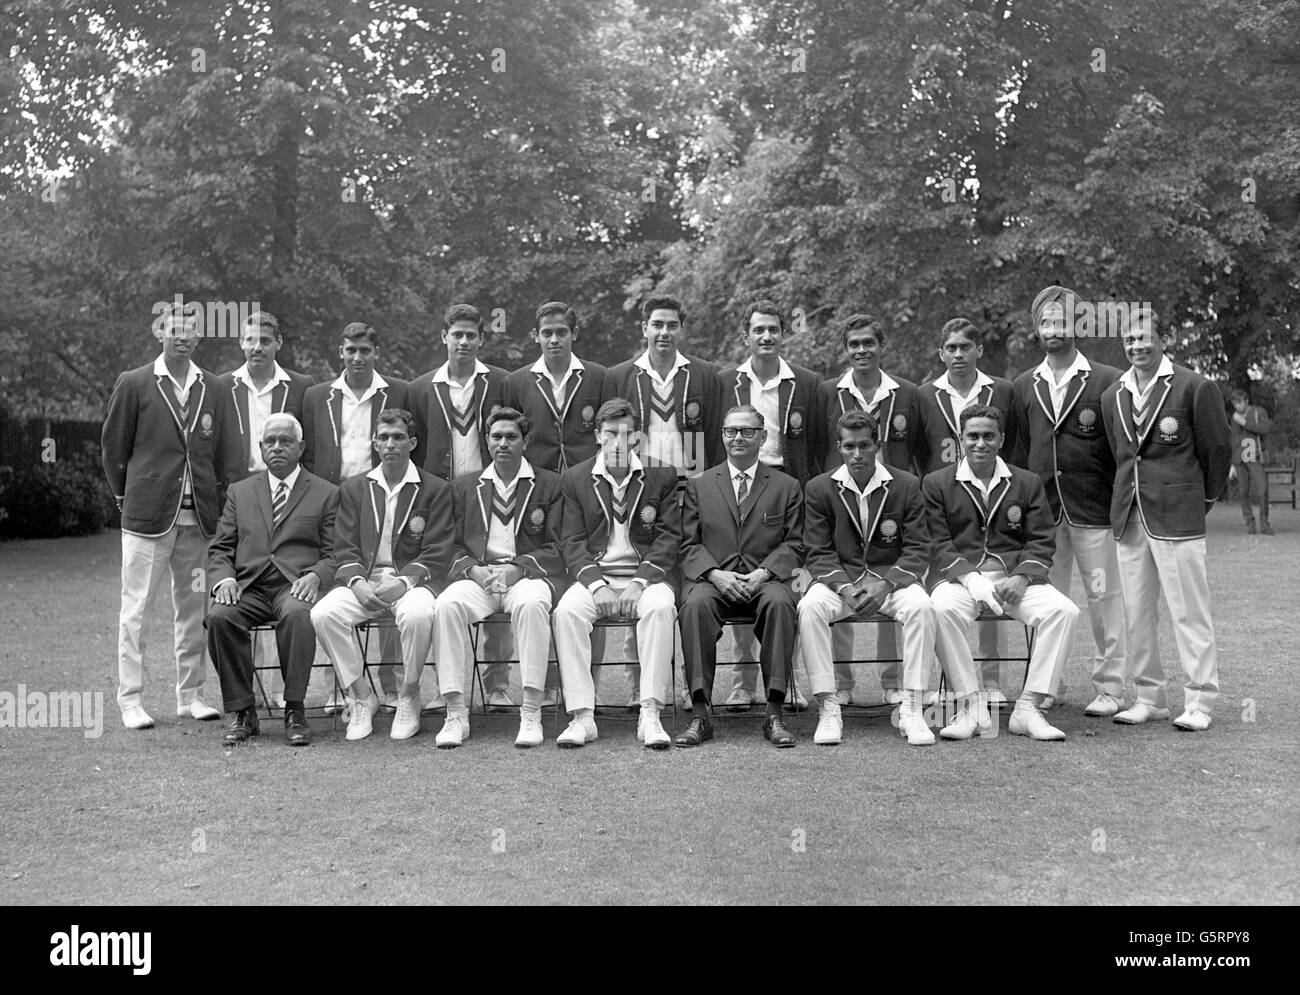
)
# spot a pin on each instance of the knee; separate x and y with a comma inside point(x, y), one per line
point(223, 618)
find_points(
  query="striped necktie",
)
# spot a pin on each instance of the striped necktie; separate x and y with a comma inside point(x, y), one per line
point(277, 504)
point(742, 488)
point(503, 508)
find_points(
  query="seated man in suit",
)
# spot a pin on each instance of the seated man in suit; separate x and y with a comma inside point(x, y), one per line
point(269, 560)
point(992, 538)
point(620, 534)
point(868, 547)
point(507, 558)
point(741, 544)
point(392, 550)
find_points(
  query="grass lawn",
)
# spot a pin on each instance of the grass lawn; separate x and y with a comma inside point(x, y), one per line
point(1113, 815)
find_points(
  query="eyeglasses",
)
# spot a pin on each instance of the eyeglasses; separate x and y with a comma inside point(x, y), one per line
point(744, 433)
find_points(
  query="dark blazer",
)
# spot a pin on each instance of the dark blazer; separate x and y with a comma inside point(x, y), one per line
point(537, 527)
point(245, 543)
point(322, 425)
point(431, 405)
point(939, 442)
point(714, 536)
point(699, 406)
point(1071, 453)
point(898, 417)
point(146, 446)
point(800, 419)
point(285, 398)
point(1018, 529)
point(565, 436)
point(654, 522)
point(1248, 439)
point(896, 548)
point(1177, 468)
point(422, 534)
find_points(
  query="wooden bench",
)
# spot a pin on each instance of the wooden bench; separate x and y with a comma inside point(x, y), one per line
point(1282, 484)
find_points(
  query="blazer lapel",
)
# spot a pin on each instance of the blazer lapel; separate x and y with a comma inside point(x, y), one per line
point(378, 505)
point(742, 388)
point(335, 406)
point(379, 402)
point(485, 495)
point(1155, 404)
point(1043, 391)
point(442, 392)
point(279, 397)
point(850, 502)
point(784, 394)
point(722, 477)
point(1124, 408)
point(946, 408)
point(999, 492)
point(976, 498)
point(522, 494)
point(405, 502)
point(875, 506)
point(761, 474)
point(682, 387)
point(571, 391)
point(264, 497)
point(1073, 393)
point(604, 498)
point(239, 393)
point(299, 489)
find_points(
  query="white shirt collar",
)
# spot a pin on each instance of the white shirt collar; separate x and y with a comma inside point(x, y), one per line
point(783, 371)
point(1080, 365)
point(1129, 377)
point(277, 375)
point(442, 374)
point(981, 380)
point(376, 383)
point(643, 361)
point(290, 480)
point(525, 473)
point(412, 476)
point(191, 372)
point(878, 478)
point(599, 469)
point(574, 364)
point(887, 383)
point(732, 470)
point(965, 473)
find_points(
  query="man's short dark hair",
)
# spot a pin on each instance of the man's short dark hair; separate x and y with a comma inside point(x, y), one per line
point(984, 411)
point(356, 331)
point(745, 409)
point(962, 327)
point(855, 421)
point(396, 416)
point(462, 312)
point(665, 303)
point(1238, 395)
point(557, 307)
point(861, 320)
point(510, 414)
point(615, 408)
point(763, 307)
point(264, 319)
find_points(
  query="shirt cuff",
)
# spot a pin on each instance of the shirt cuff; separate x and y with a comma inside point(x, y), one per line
point(596, 585)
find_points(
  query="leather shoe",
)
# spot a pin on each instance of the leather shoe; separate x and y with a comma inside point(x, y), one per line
point(242, 728)
point(296, 730)
point(699, 730)
point(775, 732)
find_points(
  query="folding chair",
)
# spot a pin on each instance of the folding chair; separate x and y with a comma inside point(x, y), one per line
point(790, 691)
point(987, 616)
point(476, 633)
point(268, 666)
point(598, 659)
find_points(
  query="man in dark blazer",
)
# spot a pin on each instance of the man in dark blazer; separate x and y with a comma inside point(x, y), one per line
point(678, 397)
point(259, 389)
point(165, 456)
point(451, 405)
point(864, 386)
point(1169, 431)
point(742, 529)
point(507, 559)
point(940, 403)
point(867, 547)
point(340, 422)
point(786, 396)
point(340, 418)
point(620, 535)
point(268, 563)
point(392, 550)
point(1060, 436)
point(1249, 424)
point(992, 537)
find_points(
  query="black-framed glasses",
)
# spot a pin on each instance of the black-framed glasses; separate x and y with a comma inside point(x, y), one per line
point(744, 433)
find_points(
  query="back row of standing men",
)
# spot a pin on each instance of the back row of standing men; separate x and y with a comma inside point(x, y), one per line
point(176, 436)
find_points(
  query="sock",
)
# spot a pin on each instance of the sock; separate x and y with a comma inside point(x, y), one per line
point(775, 699)
point(701, 703)
point(823, 697)
point(361, 690)
point(533, 698)
point(291, 704)
point(1030, 699)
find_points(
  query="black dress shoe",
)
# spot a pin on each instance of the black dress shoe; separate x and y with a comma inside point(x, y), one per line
point(700, 730)
point(242, 728)
point(775, 732)
point(296, 730)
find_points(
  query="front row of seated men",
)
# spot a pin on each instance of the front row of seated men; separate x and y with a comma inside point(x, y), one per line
point(607, 541)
